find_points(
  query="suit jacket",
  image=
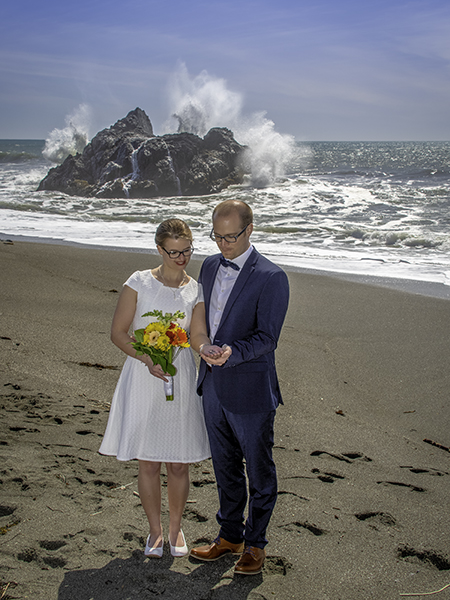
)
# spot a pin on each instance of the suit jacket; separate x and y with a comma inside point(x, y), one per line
point(251, 324)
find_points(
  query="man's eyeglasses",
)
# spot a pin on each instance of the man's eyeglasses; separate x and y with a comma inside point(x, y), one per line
point(230, 239)
point(176, 254)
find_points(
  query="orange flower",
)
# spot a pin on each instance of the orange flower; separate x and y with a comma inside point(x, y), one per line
point(177, 336)
point(162, 340)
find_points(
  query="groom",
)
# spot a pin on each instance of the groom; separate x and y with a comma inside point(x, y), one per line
point(246, 299)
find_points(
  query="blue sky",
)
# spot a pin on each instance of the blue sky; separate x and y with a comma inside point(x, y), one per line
point(320, 69)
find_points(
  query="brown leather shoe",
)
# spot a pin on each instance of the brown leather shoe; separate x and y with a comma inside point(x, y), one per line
point(251, 562)
point(217, 549)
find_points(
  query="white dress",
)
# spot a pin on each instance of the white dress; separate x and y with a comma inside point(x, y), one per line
point(142, 424)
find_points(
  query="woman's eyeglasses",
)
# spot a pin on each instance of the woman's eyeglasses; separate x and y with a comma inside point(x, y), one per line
point(176, 254)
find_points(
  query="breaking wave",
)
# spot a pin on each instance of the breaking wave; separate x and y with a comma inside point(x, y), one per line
point(70, 140)
point(202, 102)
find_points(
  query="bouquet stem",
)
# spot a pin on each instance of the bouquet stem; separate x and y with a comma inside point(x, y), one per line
point(168, 389)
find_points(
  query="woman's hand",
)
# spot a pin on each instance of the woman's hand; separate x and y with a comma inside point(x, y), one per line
point(214, 355)
point(155, 370)
point(210, 351)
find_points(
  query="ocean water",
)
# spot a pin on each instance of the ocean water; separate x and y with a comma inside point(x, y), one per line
point(355, 209)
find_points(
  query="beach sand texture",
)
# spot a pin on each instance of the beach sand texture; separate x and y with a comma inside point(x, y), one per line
point(363, 509)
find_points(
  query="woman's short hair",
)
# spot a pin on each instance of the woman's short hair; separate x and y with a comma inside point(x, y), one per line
point(172, 228)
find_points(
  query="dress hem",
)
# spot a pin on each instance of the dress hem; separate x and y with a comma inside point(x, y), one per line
point(164, 460)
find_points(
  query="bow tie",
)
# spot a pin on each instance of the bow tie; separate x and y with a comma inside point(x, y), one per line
point(228, 263)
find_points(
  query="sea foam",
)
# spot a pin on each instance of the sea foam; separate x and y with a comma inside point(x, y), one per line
point(70, 140)
point(201, 102)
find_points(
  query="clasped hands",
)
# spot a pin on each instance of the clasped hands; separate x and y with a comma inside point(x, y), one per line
point(215, 355)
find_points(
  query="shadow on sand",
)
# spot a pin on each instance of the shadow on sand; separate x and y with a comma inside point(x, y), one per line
point(139, 577)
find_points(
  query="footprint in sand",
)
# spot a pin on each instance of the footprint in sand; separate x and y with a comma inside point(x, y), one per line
point(414, 488)
point(52, 544)
point(191, 514)
point(202, 482)
point(327, 477)
point(348, 457)
point(276, 565)
point(430, 471)
point(427, 556)
point(6, 511)
point(380, 517)
point(298, 526)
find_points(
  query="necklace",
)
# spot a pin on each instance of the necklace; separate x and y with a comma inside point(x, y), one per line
point(161, 276)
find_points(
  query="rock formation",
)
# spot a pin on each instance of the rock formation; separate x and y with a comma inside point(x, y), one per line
point(128, 160)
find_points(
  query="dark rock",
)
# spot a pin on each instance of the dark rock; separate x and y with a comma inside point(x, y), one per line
point(128, 160)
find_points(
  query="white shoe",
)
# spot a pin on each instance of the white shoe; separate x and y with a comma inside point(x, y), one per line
point(156, 551)
point(178, 551)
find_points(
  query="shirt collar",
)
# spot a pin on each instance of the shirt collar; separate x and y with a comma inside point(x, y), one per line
point(242, 258)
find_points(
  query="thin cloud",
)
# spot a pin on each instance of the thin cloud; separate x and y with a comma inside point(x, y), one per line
point(381, 63)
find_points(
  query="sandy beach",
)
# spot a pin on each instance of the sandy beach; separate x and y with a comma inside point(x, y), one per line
point(362, 444)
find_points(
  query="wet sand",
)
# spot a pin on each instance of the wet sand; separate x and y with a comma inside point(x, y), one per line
point(363, 508)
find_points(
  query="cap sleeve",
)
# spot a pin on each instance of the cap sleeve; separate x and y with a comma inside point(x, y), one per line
point(200, 297)
point(134, 281)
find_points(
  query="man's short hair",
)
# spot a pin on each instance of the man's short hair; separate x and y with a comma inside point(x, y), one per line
point(226, 208)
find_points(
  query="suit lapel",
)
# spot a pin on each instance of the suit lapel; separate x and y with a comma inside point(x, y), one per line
point(245, 273)
point(208, 279)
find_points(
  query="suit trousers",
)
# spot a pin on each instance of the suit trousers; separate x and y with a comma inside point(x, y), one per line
point(235, 438)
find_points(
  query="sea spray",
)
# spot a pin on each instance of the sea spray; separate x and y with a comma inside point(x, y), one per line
point(202, 102)
point(70, 140)
point(269, 153)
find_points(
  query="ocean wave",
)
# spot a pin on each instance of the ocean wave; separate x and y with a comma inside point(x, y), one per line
point(201, 102)
point(395, 239)
point(17, 157)
point(348, 222)
point(60, 143)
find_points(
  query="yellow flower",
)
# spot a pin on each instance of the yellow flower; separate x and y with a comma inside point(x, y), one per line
point(156, 326)
point(150, 339)
point(162, 343)
point(152, 333)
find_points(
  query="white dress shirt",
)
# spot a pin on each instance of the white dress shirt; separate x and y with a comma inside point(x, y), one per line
point(223, 284)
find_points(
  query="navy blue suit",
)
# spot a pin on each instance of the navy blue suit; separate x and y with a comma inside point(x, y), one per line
point(241, 396)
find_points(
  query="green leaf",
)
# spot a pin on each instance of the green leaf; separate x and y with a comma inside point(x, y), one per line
point(166, 318)
point(139, 335)
point(171, 369)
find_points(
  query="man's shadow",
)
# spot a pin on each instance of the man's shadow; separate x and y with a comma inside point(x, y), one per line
point(139, 577)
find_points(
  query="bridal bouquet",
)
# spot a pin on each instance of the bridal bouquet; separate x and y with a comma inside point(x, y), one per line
point(162, 340)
